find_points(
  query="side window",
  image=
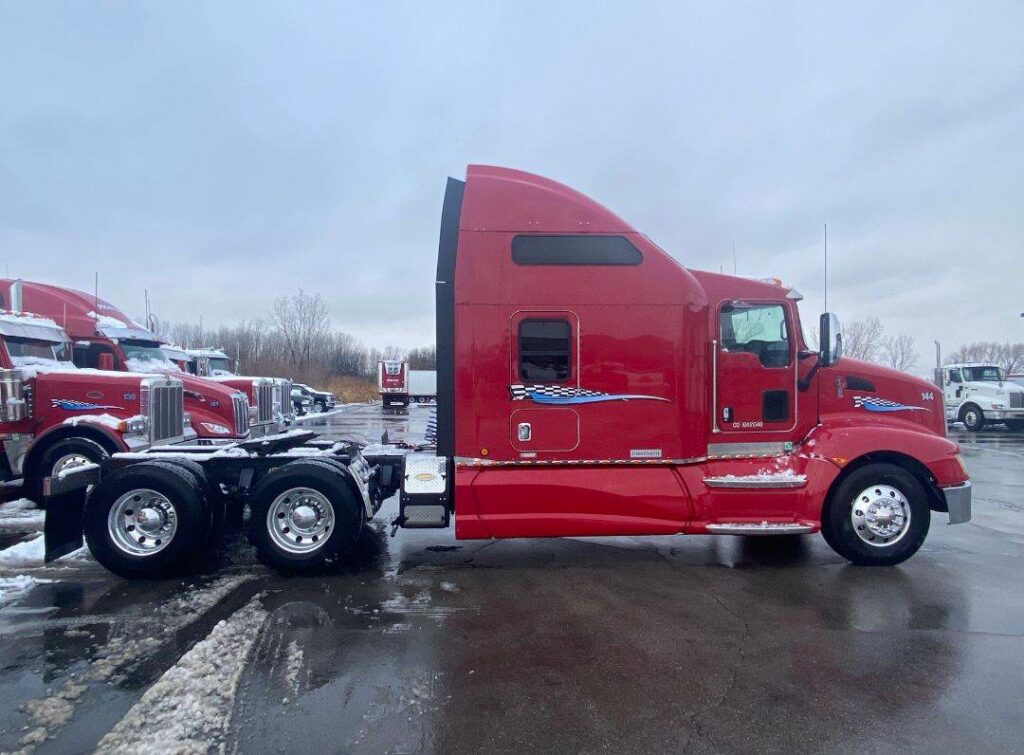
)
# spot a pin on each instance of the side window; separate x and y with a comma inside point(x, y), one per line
point(759, 329)
point(545, 350)
point(89, 356)
point(954, 376)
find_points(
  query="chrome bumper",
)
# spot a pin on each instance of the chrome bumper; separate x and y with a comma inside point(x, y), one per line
point(958, 502)
point(998, 415)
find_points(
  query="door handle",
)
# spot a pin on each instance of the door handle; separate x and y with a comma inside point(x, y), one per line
point(525, 432)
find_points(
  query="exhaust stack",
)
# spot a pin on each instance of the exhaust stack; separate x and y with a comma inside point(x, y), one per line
point(17, 299)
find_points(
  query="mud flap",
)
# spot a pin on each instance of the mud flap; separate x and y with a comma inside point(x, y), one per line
point(64, 500)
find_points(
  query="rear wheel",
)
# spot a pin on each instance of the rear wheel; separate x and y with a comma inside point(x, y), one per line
point(304, 515)
point(148, 520)
point(878, 516)
point(973, 418)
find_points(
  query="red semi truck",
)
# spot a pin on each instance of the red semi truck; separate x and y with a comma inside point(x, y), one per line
point(589, 384)
point(393, 382)
point(105, 338)
point(215, 365)
point(55, 417)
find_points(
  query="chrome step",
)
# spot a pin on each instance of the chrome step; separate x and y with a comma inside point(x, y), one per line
point(759, 528)
point(754, 482)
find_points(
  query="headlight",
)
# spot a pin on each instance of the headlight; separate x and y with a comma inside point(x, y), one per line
point(188, 419)
point(998, 406)
point(213, 427)
point(137, 424)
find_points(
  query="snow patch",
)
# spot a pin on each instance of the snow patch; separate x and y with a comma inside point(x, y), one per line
point(33, 553)
point(14, 588)
point(189, 708)
point(107, 420)
point(293, 665)
point(21, 514)
point(151, 365)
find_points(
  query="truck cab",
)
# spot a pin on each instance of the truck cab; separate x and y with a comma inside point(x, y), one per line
point(104, 338)
point(55, 417)
point(979, 394)
point(270, 398)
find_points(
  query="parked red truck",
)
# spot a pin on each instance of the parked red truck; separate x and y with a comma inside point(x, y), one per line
point(589, 384)
point(393, 382)
point(271, 415)
point(55, 417)
point(105, 338)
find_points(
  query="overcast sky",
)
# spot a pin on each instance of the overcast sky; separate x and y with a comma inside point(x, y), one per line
point(222, 154)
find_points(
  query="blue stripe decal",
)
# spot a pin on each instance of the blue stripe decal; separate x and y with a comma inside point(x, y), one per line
point(542, 399)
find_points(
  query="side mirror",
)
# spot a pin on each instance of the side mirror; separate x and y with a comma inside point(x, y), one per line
point(831, 346)
point(106, 362)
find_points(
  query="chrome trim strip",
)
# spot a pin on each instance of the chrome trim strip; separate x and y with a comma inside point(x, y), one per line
point(465, 461)
point(754, 483)
point(756, 448)
point(761, 528)
point(714, 386)
point(958, 502)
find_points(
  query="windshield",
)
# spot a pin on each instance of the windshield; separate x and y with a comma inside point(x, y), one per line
point(989, 373)
point(146, 356)
point(220, 366)
point(27, 351)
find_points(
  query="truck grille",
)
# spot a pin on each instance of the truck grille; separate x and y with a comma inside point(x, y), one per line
point(163, 403)
point(240, 404)
point(1017, 400)
point(263, 390)
point(285, 389)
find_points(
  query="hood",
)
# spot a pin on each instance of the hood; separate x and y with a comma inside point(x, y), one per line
point(851, 385)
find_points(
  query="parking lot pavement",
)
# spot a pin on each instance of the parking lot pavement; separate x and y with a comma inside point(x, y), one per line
point(706, 644)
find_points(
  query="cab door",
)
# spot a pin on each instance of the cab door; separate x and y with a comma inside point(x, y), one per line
point(754, 388)
point(544, 372)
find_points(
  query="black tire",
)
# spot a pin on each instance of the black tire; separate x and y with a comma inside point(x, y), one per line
point(1016, 425)
point(321, 406)
point(52, 456)
point(837, 526)
point(326, 480)
point(216, 500)
point(186, 548)
point(973, 417)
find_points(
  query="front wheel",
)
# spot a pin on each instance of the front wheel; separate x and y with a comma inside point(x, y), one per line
point(973, 418)
point(63, 456)
point(878, 516)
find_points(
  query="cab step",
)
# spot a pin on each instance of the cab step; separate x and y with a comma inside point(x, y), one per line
point(759, 528)
point(424, 502)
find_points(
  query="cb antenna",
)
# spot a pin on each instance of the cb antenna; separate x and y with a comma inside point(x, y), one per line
point(734, 270)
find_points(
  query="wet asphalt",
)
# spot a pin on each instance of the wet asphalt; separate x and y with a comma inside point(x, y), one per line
point(425, 644)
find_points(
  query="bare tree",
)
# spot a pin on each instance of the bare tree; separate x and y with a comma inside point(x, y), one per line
point(423, 358)
point(898, 352)
point(862, 339)
point(303, 322)
point(1009, 356)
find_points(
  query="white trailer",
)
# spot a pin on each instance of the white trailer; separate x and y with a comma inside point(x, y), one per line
point(423, 386)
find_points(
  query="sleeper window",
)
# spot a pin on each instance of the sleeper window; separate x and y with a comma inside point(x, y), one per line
point(544, 350)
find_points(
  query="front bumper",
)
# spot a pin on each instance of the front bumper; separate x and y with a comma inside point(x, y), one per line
point(958, 502)
point(998, 415)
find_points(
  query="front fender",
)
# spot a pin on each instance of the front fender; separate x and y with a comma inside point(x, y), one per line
point(845, 443)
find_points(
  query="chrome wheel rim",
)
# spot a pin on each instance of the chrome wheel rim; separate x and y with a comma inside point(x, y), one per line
point(142, 522)
point(69, 461)
point(880, 515)
point(300, 520)
point(970, 417)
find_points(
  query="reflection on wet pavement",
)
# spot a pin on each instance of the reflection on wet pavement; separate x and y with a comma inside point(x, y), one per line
point(423, 643)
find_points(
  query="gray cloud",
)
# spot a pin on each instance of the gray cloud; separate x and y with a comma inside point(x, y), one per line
point(219, 155)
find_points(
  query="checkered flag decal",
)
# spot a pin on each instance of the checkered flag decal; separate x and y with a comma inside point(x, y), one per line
point(859, 401)
point(522, 392)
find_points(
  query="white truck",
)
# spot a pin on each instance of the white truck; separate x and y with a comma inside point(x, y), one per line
point(978, 394)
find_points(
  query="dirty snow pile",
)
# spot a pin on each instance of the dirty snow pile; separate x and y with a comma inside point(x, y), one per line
point(21, 514)
point(189, 708)
point(33, 553)
point(13, 588)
